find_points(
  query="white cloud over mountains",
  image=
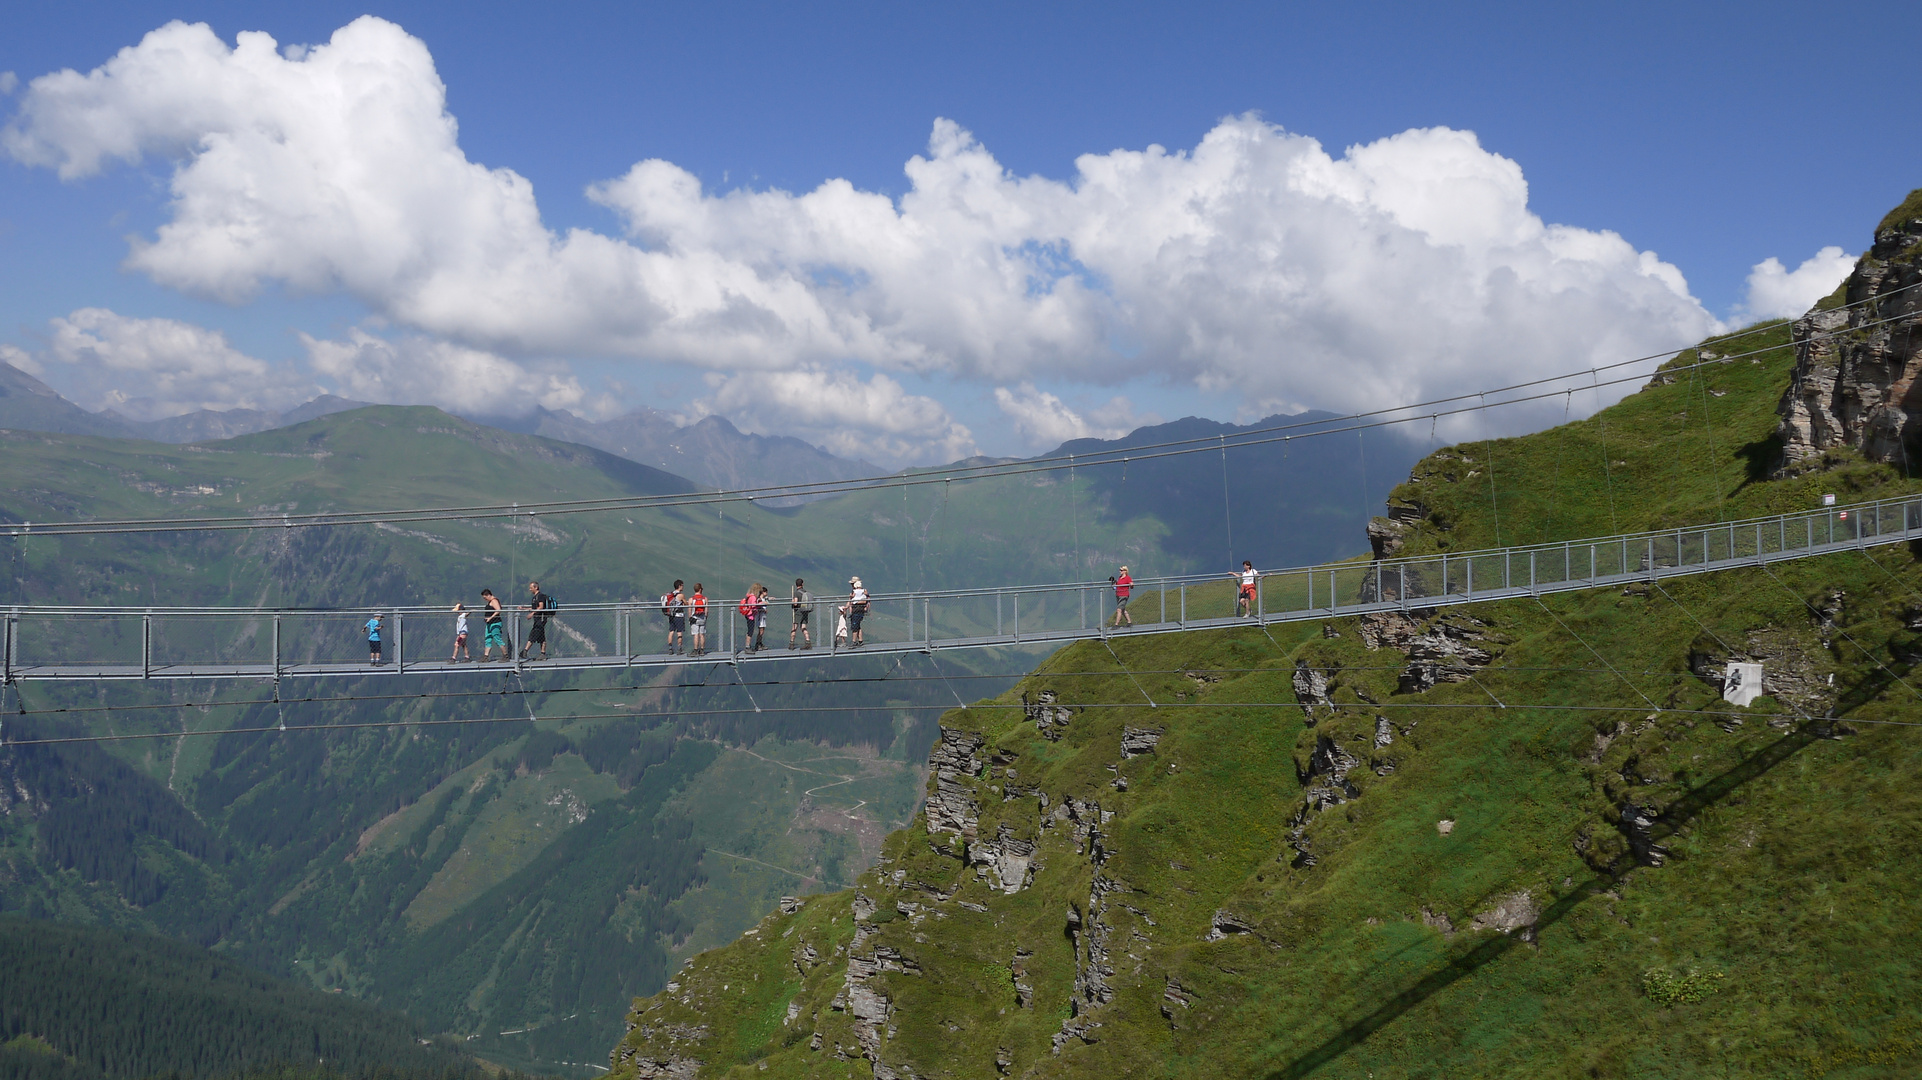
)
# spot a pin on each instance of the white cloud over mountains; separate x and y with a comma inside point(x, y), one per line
point(147, 369)
point(1256, 264)
point(1776, 292)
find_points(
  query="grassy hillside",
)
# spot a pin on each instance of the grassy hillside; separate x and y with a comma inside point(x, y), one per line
point(91, 1004)
point(1567, 857)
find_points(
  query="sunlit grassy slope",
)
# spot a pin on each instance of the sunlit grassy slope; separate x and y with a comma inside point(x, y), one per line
point(1581, 862)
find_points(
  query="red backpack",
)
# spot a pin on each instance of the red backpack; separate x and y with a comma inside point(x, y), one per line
point(747, 606)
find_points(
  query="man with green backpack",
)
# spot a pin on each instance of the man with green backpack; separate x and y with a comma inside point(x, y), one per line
point(801, 603)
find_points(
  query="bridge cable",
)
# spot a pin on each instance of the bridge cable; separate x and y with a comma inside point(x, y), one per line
point(704, 684)
point(935, 662)
point(668, 716)
point(1026, 465)
point(1608, 475)
point(1840, 629)
point(1494, 507)
point(1227, 511)
point(1131, 675)
point(1598, 656)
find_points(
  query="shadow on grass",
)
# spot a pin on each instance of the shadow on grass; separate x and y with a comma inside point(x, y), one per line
point(1673, 819)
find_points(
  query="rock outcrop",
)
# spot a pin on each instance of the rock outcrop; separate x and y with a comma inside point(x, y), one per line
point(1857, 356)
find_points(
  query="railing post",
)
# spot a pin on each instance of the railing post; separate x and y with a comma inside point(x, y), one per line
point(1401, 572)
point(1258, 605)
point(276, 646)
point(997, 612)
point(7, 631)
point(400, 663)
point(1184, 602)
point(1334, 593)
point(1531, 573)
point(1015, 602)
point(1468, 576)
point(146, 646)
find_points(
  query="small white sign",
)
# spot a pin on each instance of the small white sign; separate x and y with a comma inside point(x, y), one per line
point(1828, 500)
point(1741, 682)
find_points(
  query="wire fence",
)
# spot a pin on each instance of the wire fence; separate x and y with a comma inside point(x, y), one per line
point(55, 642)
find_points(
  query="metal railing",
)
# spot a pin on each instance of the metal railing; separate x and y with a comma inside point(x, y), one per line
point(52, 642)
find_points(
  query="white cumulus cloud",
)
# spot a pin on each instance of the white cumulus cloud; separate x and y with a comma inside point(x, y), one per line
point(418, 370)
point(1776, 292)
point(854, 417)
point(1044, 421)
point(1256, 263)
point(152, 368)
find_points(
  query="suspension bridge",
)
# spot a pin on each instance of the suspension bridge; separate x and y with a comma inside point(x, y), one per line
point(43, 643)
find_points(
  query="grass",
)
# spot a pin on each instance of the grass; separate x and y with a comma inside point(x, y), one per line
point(1759, 924)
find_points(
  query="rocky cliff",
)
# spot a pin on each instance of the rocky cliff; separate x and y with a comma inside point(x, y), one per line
point(1857, 355)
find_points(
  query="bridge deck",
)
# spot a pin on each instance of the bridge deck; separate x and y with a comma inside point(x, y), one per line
point(94, 643)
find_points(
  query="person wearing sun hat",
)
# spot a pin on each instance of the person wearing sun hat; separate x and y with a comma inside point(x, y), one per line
point(857, 610)
point(1123, 586)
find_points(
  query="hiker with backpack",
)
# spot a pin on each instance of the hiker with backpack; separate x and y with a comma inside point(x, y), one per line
point(674, 607)
point(540, 607)
point(801, 604)
point(697, 619)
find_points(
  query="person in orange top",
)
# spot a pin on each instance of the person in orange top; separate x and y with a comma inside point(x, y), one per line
point(697, 619)
point(1123, 587)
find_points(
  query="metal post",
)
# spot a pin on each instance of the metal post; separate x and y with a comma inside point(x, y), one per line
point(1591, 562)
point(997, 612)
point(1184, 603)
point(146, 646)
point(1444, 575)
point(1333, 593)
point(1015, 600)
point(1468, 577)
point(1082, 595)
point(276, 646)
point(1651, 558)
point(1259, 608)
point(1531, 574)
point(1401, 571)
point(400, 663)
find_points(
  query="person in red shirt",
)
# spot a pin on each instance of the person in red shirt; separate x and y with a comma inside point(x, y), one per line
point(1123, 587)
point(697, 619)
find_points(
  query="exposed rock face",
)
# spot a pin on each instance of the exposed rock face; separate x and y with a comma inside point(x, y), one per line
point(1007, 857)
point(1311, 689)
point(1137, 741)
point(1048, 718)
point(1856, 367)
point(1448, 652)
point(951, 808)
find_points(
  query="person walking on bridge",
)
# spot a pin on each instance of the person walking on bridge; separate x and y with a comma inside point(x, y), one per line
point(538, 606)
point(460, 635)
point(373, 641)
point(857, 611)
point(1245, 594)
point(493, 635)
point(801, 604)
point(1123, 587)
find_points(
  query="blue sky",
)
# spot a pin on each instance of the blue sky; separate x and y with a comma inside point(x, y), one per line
point(1710, 137)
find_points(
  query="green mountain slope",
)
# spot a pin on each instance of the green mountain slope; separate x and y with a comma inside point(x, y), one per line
point(1525, 839)
point(93, 1004)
